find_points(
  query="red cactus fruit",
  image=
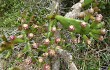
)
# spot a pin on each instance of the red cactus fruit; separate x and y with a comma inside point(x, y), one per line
point(83, 24)
point(35, 45)
point(57, 40)
point(51, 52)
point(46, 41)
point(71, 28)
point(46, 67)
point(12, 37)
point(98, 17)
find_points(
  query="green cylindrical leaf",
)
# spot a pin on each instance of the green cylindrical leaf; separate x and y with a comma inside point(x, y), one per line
point(18, 40)
point(95, 31)
point(95, 36)
point(87, 2)
point(100, 25)
point(97, 25)
point(85, 37)
point(52, 22)
point(66, 22)
point(86, 30)
point(93, 25)
point(8, 53)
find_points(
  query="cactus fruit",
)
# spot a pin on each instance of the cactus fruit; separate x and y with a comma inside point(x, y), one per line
point(53, 29)
point(35, 45)
point(83, 24)
point(98, 17)
point(103, 31)
point(91, 10)
point(30, 35)
point(51, 52)
point(35, 26)
point(101, 38)
point(46, 42)
point(40, 59)
point(58, 47)
point(25, 26)
point(57, 40)
point(12, 37)
point(46, 67)
point(71, 28)
point(45, 54)
point(81, 15)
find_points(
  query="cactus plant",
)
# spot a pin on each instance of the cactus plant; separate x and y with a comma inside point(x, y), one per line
point(43, 40)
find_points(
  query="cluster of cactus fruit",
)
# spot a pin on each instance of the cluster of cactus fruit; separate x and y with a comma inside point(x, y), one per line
point(89, 27)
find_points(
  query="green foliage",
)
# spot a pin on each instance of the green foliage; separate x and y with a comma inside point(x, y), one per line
point(87, 2)
point(10, 11)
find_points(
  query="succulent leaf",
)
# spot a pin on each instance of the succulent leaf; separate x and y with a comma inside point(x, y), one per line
point(66, 22)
